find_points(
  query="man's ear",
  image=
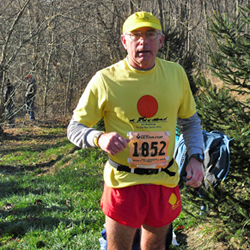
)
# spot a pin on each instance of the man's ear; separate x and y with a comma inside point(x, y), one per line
point(124, 42)
point(161, 40)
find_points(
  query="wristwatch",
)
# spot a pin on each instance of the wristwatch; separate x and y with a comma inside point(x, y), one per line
point(199, 157)
point(96, 137)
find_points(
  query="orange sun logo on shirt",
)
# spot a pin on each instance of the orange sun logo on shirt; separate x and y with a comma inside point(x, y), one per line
point(147, 106)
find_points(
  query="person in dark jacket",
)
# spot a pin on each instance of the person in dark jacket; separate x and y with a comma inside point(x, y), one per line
point(8, 98)
point(30, 97)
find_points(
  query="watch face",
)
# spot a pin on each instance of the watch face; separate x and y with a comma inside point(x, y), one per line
point(201, 157)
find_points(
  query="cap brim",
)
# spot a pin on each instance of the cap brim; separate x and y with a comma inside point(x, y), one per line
point(142, 25)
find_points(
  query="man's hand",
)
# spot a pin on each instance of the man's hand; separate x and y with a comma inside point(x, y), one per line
point(112, 142)
point(194, 173)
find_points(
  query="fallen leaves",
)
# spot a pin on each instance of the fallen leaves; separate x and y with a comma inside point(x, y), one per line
point(8, 206)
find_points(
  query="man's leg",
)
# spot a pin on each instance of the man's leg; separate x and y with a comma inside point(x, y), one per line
point(32, 109)
point(119, 236)
point(27, 106)
point(12, 118)
point(153, 238)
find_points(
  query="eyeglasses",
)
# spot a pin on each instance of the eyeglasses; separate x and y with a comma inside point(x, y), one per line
point(136, 35)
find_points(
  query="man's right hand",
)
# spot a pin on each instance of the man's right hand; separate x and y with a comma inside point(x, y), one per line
point(112, 143)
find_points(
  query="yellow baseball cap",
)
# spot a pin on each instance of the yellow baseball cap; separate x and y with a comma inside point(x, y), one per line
point(139, 20)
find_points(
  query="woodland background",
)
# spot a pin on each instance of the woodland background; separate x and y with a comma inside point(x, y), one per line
point(63, 43)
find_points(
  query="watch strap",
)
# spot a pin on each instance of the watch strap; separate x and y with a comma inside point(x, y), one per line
point(96, 137)
point(199, 157)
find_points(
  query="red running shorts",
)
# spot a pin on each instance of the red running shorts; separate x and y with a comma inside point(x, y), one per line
point(153, 205)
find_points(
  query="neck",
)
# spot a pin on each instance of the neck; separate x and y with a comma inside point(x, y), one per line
point(140, 66)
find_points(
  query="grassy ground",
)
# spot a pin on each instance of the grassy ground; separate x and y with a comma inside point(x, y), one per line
point(50, 192)
point(50, 196)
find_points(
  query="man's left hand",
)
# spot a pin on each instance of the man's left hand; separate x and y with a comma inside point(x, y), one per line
point(194, 173)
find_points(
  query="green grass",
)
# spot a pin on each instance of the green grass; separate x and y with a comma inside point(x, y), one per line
point(50, 198)
point(50, 193)
point(57, 209)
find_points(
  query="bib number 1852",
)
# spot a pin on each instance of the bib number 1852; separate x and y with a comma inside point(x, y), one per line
point(149, 149)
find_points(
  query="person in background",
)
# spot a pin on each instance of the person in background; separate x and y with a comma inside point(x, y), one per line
point(30, 96)
point(140, 98)
point(8, 97)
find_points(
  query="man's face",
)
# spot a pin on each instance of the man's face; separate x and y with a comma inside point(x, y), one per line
point(142, 52)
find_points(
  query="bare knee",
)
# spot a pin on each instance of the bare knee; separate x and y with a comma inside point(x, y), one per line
point(119, 236)
point(153, 238)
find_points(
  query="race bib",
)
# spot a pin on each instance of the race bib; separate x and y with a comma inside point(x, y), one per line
point(148, 149)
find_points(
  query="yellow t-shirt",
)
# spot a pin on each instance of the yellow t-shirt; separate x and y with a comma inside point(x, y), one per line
point(131, 100)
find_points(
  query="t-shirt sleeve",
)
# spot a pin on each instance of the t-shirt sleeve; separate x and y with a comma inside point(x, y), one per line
point(90, 108)
point(188, 105)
